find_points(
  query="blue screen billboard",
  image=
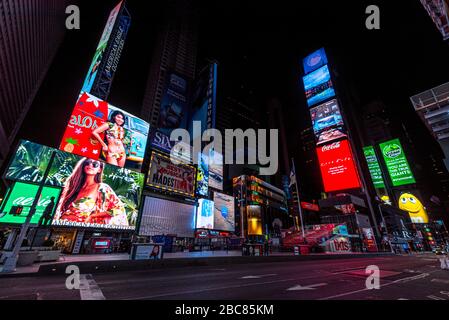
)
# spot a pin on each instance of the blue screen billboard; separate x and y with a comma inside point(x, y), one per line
point(318, 86)
point(314, 61)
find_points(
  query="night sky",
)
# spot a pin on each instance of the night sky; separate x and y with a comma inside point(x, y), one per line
point(259, 46)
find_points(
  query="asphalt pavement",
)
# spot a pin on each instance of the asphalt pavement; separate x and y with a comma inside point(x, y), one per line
point(414, 277)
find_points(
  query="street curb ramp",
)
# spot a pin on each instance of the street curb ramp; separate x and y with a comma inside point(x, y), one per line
point(91, 267)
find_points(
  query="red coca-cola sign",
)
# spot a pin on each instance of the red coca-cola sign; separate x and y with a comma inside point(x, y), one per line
point(338, 169)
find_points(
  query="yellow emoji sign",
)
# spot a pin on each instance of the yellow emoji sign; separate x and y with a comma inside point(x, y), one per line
point(414, 207)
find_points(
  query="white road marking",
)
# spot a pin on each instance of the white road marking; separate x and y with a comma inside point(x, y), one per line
point(308, 287)
point(259, 276)
point(89, 290)
point(440, 280)
point(402, 299)
point(435, 297)
point(421, 276)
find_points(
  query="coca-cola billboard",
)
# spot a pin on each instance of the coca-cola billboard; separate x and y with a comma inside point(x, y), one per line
point(337, 165)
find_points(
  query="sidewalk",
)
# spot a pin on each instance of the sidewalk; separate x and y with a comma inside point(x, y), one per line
point(171, 259)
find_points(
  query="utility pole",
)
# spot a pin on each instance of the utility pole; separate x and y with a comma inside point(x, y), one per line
point(11, 261)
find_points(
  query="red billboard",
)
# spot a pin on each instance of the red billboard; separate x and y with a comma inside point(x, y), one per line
point(337, 165)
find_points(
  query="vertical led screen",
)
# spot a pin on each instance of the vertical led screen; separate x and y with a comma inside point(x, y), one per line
point(318, 86)
point(396, 162)
point(215, 170)
point(254, 217)
point(314, 61)
point(416, 210)
point(327, 122)
point(224, 212)
point(204, 100)
point(101, 49)
point(205, 214)
point(98, 130)
point(202, 177)
point(174, 105)
point(373, 166)
point(338, 169)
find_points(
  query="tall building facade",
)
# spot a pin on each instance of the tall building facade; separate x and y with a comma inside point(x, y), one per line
point(175, 51)
point(30, 35)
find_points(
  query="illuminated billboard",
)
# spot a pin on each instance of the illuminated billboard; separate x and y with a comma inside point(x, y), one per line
point(202, 177)
point(205, 214)
point(94, 194)
point(164, 217)
point(314, 61)
point(374, 167)
point(23, 194)
point(224, 212)
point(254, 217)
point(164, 175)
point(410, 203)
point(99, 130)
point(318, 86)
point(101, 49)
point(203, 105)
point(337, 165)
point(438, 10)
point(215, 170)
point(396, 162)
point(174, 108)
point(326, 115)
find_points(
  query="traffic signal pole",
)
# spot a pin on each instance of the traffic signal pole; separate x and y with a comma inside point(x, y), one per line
point(11, 261)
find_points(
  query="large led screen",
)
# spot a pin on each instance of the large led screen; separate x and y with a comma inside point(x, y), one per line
point(374, 167)
point(23, 194)
point(174, 105)
point(204, 100)
point(254, 217)
point(215, 170)
point(338, 169)
point(327, 122)
point(101, 49)
point(98, 130)
point(202, 177)
point(164, 217)
point(318, 86)
point(94, 194)
point(224, 212)
point(314, 61)
point(396, 162)
point(205, 214)
point(416, 210)
point(176, 178)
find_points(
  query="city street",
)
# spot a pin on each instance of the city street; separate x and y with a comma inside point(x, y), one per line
point(416, 277)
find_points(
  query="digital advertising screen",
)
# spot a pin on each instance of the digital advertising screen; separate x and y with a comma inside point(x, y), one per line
point(165, 217)
point(314, 61)
point(325, 116)
point(164, 175)
point(318, 86)
point(203, 107)
point(162, 142)
point(331, 134)
point(205, 214)
point(338, 169)
point(254, 217)
point(101, 48)
point(224, 212)
point(23, 194)
point(215, 170)
point(174, 104)
point(99, 130)
point(408, 201)
point(202, 176)
point(94, 194)
point(396, 162)
point(374, 167)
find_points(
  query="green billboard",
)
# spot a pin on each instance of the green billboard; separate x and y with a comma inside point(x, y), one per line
point(22, 194)
point(396, 162)
point(373, 166)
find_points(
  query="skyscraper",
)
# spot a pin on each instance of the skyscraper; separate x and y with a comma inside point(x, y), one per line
point(175, 51)
point(30, 34)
